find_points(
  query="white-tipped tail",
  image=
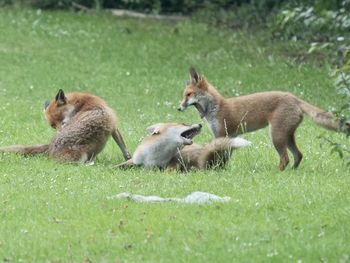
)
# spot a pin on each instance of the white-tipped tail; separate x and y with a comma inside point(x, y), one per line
point(239, 142)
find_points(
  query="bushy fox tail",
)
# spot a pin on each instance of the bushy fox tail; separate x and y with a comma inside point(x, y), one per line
point(323, 118)
point(27, 150)
point(218, 152)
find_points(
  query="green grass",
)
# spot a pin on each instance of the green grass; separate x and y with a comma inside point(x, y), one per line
point(53, 212)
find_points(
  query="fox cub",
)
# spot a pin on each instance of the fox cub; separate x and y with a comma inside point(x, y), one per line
point(282, 111)
point(83, 124)
point(169, 145)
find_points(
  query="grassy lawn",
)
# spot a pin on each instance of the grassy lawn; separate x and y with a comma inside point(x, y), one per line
point(53, 212)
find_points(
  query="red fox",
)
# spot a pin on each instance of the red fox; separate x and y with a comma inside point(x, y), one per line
point(169, 145)
point(282, 111)
point(83, 122)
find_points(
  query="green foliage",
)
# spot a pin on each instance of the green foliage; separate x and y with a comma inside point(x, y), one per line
point(139, 5)
point(342, 83)
point(252, 14)
point(313, 22)
point(53, 4)
point(259, 8)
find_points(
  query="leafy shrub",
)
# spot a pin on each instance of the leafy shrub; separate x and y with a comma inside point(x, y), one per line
point(156, 6)
point(247, 14)
point(342, 84)
point(51, 4)
point(312, 22)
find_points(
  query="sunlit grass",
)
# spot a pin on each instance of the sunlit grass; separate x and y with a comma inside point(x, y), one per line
point(59, 213)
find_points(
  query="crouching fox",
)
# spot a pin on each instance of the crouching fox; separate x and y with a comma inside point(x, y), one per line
point(83, 124)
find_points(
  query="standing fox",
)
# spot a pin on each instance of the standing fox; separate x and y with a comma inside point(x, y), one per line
point(169, 145)
point(83, 122)
point(282, 111)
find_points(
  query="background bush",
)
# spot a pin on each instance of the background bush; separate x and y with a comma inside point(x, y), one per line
point(158, 6)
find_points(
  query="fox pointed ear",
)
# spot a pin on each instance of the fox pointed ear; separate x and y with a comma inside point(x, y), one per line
point(61, 99)
point(46, 104)
point(194, 76)
point(154, 129)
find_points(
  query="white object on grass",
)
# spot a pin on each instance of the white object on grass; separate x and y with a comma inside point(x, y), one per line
point(193, 198)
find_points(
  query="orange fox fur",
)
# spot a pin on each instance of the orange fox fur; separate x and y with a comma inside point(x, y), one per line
point(83, 122)
point(282, 111)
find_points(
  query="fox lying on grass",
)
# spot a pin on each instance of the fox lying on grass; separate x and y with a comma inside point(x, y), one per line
point(282, 111)
point(169, 145)
point(83, 122)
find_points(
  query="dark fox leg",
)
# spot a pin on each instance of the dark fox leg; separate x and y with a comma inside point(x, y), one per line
point(280, 143)
point(282, 133)
point(26, 150)
point(118, 138)
point(292, 146)
point(279, 138)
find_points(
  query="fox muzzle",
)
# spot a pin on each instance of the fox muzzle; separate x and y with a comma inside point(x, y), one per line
point(181, 107)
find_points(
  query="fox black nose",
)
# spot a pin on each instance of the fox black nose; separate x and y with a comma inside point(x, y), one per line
point(179, 108)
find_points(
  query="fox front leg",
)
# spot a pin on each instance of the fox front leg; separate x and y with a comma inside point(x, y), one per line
point(118, 138)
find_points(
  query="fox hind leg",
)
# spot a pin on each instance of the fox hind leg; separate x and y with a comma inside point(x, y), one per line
point(279, 140)
point(282, 133)
point(292, 146)
point(71, 155)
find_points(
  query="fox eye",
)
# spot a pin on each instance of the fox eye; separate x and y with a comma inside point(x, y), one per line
point(189, 94)
point(53, 125)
